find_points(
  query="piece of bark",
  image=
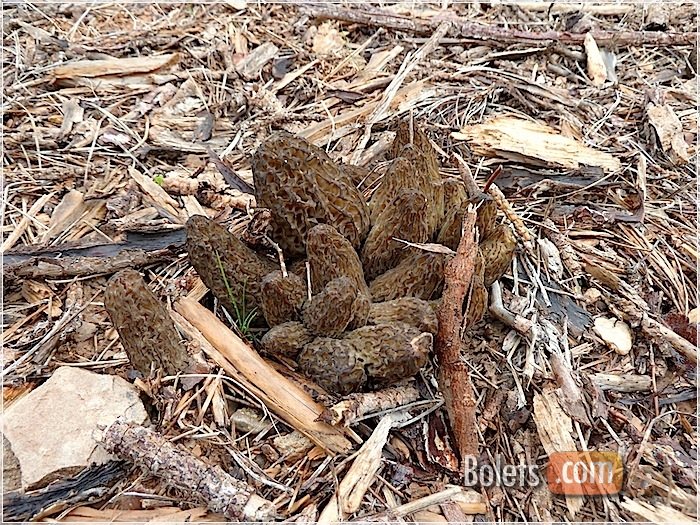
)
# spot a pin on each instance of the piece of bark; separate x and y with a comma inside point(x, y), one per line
point(359, 477)
point(57, 496)
point(570, 395)
point(145, 328)
point(207, 484)
point(437, 442)
point(281, 396)
point(453, 512)
point(371, 16)
point(356, 406)
point(520, 140)
point(569, 256)
point(229, 174)
point(156, 195)
point(453, 377)
point(58, 268)
point(68, 211)
point(113, 66)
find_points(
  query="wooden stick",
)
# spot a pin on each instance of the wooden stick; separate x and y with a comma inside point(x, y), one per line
point(472, 31)
point(280, 395)
point(359, 477)
point(438, 498)
point(208, 484)
point(453, 376)
point(655, 329)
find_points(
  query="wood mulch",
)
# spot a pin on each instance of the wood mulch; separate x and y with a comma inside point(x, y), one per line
point(593, 344)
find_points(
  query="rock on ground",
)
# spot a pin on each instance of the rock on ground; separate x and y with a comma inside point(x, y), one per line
point(52, 429)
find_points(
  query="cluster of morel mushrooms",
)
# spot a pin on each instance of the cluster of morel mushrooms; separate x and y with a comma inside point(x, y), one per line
point(352, 295)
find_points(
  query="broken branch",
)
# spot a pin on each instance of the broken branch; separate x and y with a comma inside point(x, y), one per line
point(453, 377)
point(205, 483)
point(379, 18)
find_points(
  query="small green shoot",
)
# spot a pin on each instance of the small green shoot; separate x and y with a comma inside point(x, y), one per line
point(243, 319)
point(158, 179)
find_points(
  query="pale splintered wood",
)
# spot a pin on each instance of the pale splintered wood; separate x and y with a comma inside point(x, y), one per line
point(594, 61)
point(283, 397)
point(113, 66)
point(659, 513)
point(348, 411)
point(359, 477)
point(517, 139)
point(164, 203)
point(554, 428)
point(24, 223)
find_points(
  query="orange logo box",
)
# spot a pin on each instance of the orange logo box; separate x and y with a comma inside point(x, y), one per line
point(585, 473)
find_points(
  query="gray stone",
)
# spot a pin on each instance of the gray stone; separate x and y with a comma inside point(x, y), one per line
point(11, 475)
point(52, 429)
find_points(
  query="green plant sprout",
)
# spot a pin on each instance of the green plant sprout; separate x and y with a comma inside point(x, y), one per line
point(243, 319)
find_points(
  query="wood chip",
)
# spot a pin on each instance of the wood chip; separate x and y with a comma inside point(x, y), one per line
point(166, 205)
point(622, 382)
point(616, 334)
point(669, 129)
point(72, 114)
point(554, 428)
point(68, 211)
point(251, 66)
point(113, 66)
point(519, 140)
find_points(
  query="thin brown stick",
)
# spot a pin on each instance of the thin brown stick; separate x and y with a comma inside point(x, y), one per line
point(453, 377)
point(379, 18)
